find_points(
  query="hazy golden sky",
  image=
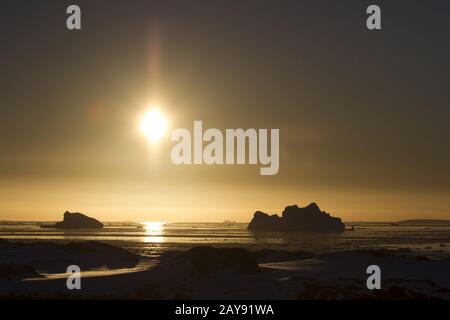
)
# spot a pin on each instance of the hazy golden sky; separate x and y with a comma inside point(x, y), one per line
point(363, 116)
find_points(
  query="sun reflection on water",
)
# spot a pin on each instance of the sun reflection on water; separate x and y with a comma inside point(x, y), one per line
point(153, 231)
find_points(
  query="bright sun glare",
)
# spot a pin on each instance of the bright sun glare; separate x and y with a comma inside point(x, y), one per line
point(154, 125)
point(154, 232)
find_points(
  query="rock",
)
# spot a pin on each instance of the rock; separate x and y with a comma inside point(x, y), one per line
point(50, 257)
point(76, 220)
point(397, 289)
point(3, 242)
point(270, 255)
point(17, 271)
point(205, 260)
point(149, 291)
point(307, 219)
point(110, 256)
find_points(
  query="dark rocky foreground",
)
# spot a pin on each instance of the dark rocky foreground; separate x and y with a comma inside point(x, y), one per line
point(293, 218)
point(23, 260)
point(205, 260)
point(221, 273)
point(76, 220)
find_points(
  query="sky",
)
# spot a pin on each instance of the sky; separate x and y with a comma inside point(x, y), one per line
point(363, 115)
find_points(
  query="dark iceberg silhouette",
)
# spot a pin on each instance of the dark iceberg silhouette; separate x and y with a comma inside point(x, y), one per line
point(76, 220)
point(293, 218)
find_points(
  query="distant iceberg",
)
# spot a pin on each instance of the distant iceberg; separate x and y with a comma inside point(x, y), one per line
point(76, 220)
point(293, 218)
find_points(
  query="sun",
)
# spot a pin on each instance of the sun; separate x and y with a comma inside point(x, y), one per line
point(153, 125)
